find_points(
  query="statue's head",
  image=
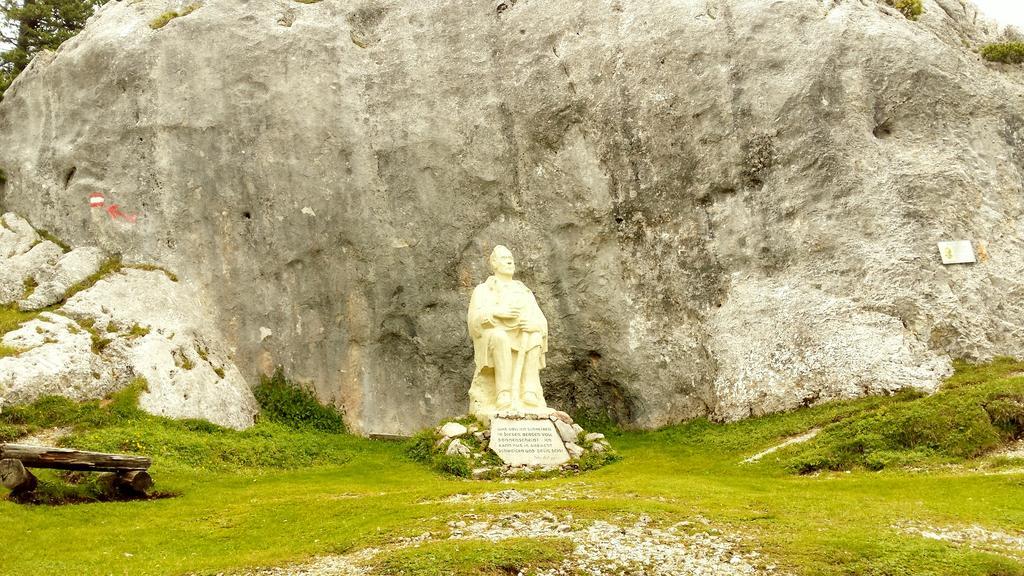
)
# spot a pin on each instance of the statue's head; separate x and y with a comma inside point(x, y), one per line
point(501, 261)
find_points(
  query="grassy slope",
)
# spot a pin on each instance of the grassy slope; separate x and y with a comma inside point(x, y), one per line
point(356, 493)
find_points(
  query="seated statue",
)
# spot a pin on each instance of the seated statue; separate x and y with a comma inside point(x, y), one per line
point(510, 337)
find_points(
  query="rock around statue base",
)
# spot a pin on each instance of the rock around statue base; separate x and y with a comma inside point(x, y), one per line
point(521, 445)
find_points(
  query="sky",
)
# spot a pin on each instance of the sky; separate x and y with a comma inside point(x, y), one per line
point(1004, 11)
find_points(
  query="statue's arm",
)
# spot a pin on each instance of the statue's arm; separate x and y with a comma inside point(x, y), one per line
point(480, 312)
point(537, 316)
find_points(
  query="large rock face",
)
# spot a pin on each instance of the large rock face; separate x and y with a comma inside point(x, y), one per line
point(725, 207)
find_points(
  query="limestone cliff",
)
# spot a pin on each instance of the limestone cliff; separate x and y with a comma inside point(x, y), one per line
point(725, 207)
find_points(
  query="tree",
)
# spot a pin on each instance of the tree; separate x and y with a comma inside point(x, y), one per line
point(30, 26)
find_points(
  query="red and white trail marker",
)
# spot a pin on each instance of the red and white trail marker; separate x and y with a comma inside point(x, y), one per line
point(96, 200)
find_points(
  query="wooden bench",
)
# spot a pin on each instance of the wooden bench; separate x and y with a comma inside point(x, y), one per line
point(122, 473)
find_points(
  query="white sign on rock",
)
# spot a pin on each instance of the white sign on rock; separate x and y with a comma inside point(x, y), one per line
point(531, 442)
point(957, 252)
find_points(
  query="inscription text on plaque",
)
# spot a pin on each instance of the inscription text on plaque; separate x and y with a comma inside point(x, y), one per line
point(532, 442)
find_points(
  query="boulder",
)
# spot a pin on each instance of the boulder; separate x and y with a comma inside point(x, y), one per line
point(566, 431)
point(17, 236)
point(54, 282)
point(575, 450)
point(18, 271)
point(453, 430)
point(330, 177)
point(162, 333)
point(457, 448)
point(56, 358)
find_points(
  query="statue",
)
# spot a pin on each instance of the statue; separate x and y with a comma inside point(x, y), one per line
point(510, 337)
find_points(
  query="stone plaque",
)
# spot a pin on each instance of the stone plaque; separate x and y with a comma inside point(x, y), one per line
point(957, 252)
point(532, 442)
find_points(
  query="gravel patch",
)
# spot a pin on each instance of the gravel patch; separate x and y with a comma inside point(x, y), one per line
point(512, 496)
point(1013, 450)
point(971, 536)
point(606, 548)
point(348, 565)
point(601, 548)
point(48, 437)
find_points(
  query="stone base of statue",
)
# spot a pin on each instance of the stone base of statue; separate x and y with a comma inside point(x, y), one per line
point(514, 445)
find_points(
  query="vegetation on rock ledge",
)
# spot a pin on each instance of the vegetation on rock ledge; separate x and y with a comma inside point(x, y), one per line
point(909, 8)
point(1005, 52)
point(162, 20)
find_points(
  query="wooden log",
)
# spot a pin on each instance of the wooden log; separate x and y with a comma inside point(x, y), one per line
point(65, 459)
point(132, 483)
point(15, 477)
point(137, 480)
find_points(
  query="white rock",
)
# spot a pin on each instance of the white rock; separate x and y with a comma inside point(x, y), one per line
point(598, 447)
point(57, 359)
point(32, 264)
point(575, 451)
point(16, 235)
point(71, 268)
point(457, 448)
point(566, 431)
point(182, 357)
point(453, 430)
point(593, 437)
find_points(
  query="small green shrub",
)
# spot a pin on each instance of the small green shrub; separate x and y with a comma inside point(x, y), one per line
point(1007, 414)
point(30, 286)
point(421, 446)
point(1005, 52)
point(296, 406)
point(162, 20)
point(909, 8)
point(454, 465)
point(594, 460)
point(8, 351)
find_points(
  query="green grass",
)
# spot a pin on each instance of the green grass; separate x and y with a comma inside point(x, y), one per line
point(46, 235)
point(152, 268)
point(966, 419)
point(11, 318)
point(1005, 52)
point(282, 493)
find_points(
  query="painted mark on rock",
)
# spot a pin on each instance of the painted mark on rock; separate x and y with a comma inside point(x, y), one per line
point(116, 213)
point(96, 200)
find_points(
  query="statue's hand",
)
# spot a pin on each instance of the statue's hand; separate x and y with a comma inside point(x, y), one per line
point(506, 313)
point(530, 326)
